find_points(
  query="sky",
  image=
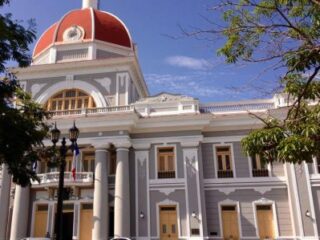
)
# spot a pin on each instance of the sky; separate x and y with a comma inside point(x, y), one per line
point(170, 61)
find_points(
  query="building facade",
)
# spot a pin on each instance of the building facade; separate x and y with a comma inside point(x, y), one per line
point(150, 167)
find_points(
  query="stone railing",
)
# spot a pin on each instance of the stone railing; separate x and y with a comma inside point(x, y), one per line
point(237, 106)
point(93, 111)
point(159, 109)
point(164, 108)
point(52, 178)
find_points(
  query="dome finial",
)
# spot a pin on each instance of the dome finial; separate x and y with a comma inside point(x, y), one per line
point(90, 4)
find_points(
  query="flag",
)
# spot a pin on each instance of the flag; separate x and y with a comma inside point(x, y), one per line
point(76, 154)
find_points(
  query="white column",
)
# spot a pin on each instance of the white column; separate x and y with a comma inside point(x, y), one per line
point(100, 195)
point(122, 193)
point(20, 213)
point(4, 201)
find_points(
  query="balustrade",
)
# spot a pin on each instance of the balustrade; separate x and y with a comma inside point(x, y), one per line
point(53, 178)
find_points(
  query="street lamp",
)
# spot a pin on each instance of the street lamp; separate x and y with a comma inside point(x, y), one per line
point(73, 136)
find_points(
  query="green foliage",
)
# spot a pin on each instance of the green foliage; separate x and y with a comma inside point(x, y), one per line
point(22, 129)
point(14, 40)
point(22, 121)
point(286, 32)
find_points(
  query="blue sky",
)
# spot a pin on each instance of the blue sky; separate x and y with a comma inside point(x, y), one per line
point(173, 64)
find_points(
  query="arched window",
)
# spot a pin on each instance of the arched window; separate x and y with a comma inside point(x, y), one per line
point(70, 100)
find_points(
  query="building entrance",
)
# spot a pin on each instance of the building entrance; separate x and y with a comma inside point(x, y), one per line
point(86, 223)
point(230, 223)
point(265, 222)
point(67, 222)
point(67, 225)
point(40, 222)
point(168, 223)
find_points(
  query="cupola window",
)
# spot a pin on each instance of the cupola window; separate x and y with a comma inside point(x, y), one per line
point(72, 99)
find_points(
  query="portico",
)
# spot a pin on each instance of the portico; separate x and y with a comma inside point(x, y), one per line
point(85, 193)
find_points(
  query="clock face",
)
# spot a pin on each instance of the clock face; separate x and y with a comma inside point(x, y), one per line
point(73, 33)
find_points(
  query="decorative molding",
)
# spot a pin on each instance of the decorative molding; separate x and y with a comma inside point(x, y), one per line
point(35, 88)
point(190, 156)
point(240, 182)
point(104, 82)
point(23, 85)
point(263, 190)
point(70, 81)
point(227, 190)
point(167, 191)
point(185, 141)
point(69, 77)
point(122, 77)
point(165, 97)
point(82, 85)
point(223, 139)
point(73, 33)
point(141, 156)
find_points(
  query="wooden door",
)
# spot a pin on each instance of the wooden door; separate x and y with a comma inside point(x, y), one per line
point(265, 222)
point(86, 222)
point(230, 223)
point(40, 221)
point(168, 223)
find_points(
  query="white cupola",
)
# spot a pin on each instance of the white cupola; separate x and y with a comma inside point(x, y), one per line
point(90, 4)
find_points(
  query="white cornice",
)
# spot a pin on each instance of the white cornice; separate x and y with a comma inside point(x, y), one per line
point(186, 141)
point(132, 122)
point(222, 139)
point(40, 71)
point(245, 182)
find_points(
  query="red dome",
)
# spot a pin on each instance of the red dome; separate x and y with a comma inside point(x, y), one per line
point(96, 25)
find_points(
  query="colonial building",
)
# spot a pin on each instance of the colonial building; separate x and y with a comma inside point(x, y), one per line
point(151, 167)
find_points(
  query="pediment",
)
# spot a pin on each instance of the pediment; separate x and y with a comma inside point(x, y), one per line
point(166, 97)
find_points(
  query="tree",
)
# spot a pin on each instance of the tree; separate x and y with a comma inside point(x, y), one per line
point(285, 33)
point(22, 121)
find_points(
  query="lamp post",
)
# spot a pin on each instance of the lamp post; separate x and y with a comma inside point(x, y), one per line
point(73, 136)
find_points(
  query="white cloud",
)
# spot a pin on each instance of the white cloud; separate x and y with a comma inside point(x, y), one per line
point(191, 85)
point(189, 62)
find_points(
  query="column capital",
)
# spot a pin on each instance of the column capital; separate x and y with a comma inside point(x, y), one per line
point(100, 146)
point(123, 143)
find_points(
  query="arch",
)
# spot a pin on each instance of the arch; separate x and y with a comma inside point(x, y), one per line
point(76, 84)
point(70, 99)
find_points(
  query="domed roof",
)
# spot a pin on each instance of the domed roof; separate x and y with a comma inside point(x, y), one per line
point(85, 25)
